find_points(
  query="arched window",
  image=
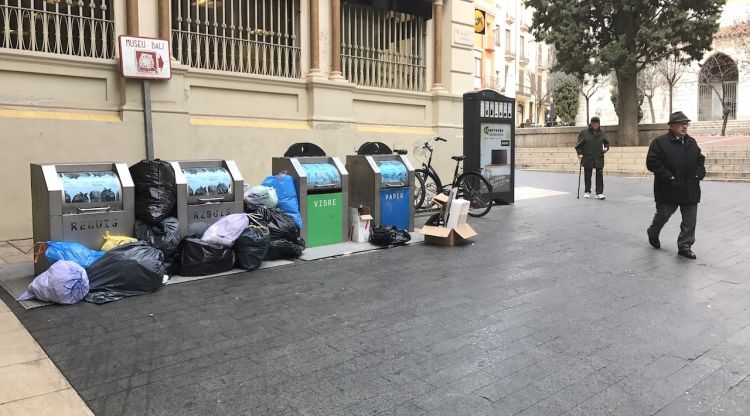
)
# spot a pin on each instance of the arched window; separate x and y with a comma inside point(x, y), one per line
point(717, 88)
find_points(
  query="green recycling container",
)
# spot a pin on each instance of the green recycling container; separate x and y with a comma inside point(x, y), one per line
point(324, 219)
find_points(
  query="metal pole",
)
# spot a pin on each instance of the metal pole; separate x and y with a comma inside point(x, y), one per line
point(147, 119)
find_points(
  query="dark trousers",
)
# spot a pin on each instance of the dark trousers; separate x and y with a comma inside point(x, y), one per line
point(599, 180)
point(687, 226)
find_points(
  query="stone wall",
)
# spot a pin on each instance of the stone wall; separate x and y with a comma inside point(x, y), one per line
point(567, 136)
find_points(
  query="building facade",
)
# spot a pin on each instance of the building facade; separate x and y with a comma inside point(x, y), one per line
point(249, 78)
point(508, 59)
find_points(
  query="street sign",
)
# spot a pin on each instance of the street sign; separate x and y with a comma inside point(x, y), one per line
point(144, 58)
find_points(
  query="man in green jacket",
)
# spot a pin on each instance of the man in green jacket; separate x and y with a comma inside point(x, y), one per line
point(591, 146)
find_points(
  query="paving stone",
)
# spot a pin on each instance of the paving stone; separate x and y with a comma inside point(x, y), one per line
point(515, 323)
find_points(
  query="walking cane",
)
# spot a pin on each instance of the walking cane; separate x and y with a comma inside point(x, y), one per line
point(580, 167)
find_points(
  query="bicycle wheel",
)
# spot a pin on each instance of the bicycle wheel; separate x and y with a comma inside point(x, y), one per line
point(474, 188)
point(429, 190)
point(418, 191)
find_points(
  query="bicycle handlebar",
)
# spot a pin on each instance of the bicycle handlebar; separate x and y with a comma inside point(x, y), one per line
point(439, 139)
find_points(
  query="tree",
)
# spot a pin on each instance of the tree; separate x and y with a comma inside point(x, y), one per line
point(649, 82)
point(565, 97)
point(588, 86)
point(624, 36)
point(671, 69)
point(616, 105)
point(541, 91)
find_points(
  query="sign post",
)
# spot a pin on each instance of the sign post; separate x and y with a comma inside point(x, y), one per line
point(146, 59)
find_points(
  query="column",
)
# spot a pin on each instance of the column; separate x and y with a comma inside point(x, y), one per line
point(336, 40)
point(164, 19)
point(132, 17)
point(314, 38)
point(437, 21)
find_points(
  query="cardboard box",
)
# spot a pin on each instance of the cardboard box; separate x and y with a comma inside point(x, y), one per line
point(457, 213)
point(360, 220)
point(446, 236)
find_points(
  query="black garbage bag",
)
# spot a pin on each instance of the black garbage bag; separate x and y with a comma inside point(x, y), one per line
point(285, 240)
point(165, 235)
point(279, 224)
point(155, 190)
point(172, 265)
point(388, 235)
point(199, 258)
point(127, 270)
point(251, 247)
point(280, 248)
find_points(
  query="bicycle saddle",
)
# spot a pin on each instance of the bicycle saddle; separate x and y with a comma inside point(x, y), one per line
point(458, 158)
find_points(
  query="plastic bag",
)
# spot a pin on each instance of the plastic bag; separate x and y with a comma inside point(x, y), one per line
point(226, 230)
point(280, 248)
point(285, 242)
point(75, 252)
point(278, 222)
point(199, 258)
point(155, 190)
point(251, 247)
point(129, 270)
point(287, 193)
point(165, 236)
point(387, 235)
point(112, 241)
point(65, 282)
point(262, 195)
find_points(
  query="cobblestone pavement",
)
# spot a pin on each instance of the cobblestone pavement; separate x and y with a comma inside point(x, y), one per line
point(560, 306)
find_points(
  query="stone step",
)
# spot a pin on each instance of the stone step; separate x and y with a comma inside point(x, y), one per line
point(722, 162)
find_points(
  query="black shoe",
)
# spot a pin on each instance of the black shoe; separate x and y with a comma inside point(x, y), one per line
point(653, 240)
point(687, 253)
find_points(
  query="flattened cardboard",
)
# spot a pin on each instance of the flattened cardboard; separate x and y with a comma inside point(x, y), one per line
point(444, 236)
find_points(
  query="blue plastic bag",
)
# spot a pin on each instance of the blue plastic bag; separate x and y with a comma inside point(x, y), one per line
point(75, 252)
point(287, 193)
point(65, 282)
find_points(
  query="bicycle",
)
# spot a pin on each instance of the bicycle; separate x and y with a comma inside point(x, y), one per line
point(472, 186)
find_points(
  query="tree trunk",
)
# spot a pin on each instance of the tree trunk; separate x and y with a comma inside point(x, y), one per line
point(587, 110)
point(671, 87)
point(724, 121)
point(627, 102)
point(651, 106)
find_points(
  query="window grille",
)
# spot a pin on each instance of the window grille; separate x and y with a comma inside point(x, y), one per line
point(247, 36)
point(66, 27)
point(382, 48)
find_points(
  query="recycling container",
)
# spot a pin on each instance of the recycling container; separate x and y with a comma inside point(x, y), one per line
point(385, 184)
point(79, 202)
point(207, 190)
point(321, 183)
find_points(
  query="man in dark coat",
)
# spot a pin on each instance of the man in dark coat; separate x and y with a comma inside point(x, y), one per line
point(591, 146)
point(678, 167)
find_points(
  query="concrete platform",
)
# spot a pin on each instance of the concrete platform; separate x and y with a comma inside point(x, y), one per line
point(558, 307)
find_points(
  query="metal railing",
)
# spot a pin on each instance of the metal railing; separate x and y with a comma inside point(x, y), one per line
point(383, 48)
point(66, 27)
point(246, 36)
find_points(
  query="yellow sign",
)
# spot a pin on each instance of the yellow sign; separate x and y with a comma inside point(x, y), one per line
point(479, 21)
